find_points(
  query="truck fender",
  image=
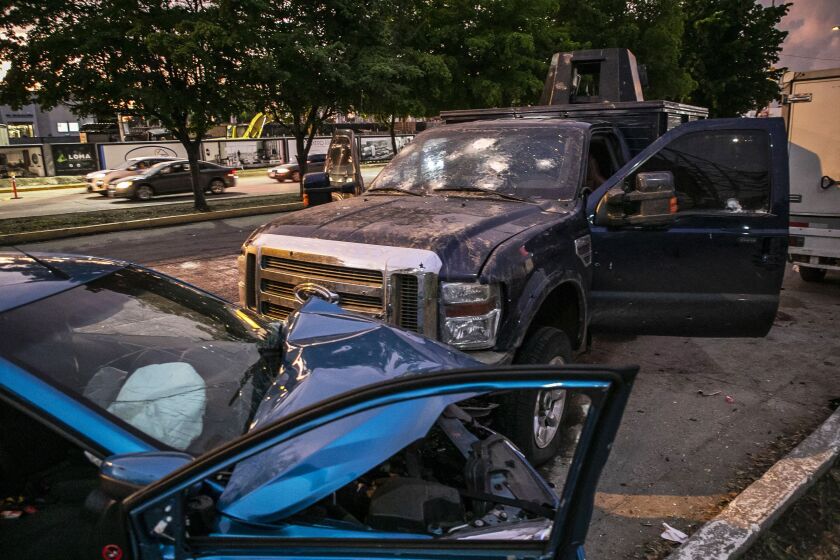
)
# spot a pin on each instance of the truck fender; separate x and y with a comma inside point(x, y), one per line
point(539, 290)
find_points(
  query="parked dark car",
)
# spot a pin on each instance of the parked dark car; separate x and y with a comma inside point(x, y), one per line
point(140, 413)
point(173, 177)
point(98, 181)
point(291, 171)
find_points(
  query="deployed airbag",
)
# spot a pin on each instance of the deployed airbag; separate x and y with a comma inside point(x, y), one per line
point(165, 401)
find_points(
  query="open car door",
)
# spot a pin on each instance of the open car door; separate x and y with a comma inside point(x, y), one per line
point(342, 175)
point(690, 237)
point(410, 466)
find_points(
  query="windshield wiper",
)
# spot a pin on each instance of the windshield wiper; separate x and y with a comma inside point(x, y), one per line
point(481, 190)
point(385, 189)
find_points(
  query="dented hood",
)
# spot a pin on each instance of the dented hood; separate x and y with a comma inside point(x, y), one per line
point(326, 352)
point(463, 231)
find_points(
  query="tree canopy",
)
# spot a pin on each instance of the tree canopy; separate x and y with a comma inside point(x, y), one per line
point(191, 63)
point(730, 48)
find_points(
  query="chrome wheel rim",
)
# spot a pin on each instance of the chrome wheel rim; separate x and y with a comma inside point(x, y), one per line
point(548, 411)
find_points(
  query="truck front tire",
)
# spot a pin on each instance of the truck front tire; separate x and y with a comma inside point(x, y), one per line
point(534, 420)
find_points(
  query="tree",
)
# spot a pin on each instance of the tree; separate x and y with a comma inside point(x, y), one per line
point(175, 61)
point(730, 48)
point(497, 53)
point(398, 76)
point(305, 62)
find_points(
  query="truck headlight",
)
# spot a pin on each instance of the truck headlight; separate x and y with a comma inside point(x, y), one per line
point(471, 314)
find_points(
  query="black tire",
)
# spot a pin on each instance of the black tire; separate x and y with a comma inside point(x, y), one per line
point(217, 186)
point(519, 413)
point(144, 192)
point(296, 177)
point(809, 274)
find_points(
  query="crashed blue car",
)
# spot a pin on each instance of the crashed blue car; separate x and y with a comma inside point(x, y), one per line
point(142, 418)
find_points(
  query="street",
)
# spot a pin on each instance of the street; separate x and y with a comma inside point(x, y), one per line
point(705, 417)
point(62, 201)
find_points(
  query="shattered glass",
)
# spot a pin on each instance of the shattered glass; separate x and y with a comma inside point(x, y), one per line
point(526, 160)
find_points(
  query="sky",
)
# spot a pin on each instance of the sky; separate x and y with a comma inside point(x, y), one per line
point(810, 44)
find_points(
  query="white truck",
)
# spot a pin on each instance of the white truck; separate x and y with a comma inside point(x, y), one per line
point(811, 108)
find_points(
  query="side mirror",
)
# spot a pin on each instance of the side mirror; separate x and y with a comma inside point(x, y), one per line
point(122, 475)
point(652, 203)
point(316, 189)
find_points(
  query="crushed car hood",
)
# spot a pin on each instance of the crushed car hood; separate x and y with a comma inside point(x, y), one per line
point(463, 231)
point(326, 352)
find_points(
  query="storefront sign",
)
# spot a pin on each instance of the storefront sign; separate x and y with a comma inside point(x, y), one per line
point(74, 159)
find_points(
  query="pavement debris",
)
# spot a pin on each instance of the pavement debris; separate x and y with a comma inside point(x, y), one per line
point(673, 535)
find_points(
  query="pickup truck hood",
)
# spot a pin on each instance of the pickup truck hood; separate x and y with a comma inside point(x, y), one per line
point(463, 231)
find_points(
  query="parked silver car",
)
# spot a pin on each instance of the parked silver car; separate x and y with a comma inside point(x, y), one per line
point(98, 181)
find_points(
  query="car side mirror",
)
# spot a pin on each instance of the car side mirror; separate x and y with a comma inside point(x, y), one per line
point(316, 189)
point(652, 203)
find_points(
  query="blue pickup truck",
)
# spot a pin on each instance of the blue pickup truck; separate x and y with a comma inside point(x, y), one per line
point(513, 234)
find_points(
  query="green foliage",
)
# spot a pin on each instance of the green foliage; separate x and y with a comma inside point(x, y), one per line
point(652, 29)
point(730, 48)
point(303, 60)
point(173, 60)
point(497, 52)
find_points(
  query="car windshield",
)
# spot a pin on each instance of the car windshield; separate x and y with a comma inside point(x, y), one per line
point(527, 162)
point(165, 359)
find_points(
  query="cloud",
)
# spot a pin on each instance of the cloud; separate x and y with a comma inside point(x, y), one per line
point(810, 37)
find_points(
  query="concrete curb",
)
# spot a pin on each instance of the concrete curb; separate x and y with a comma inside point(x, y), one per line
point(46, 235)
point(8, 190)
point(755, 509)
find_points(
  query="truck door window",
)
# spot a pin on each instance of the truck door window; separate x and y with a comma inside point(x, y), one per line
point(717, 171)
point(602, 162)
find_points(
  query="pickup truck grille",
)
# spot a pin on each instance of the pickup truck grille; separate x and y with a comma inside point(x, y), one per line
point(359, 290)
point(406, 312)
point(321, 271)
point(370, 305)
point(406, 294)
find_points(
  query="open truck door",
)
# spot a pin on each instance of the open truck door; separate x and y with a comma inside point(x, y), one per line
point(690, 237)
point(342, 175)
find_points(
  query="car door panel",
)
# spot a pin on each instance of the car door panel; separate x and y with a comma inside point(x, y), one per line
point(229, 539)
point(716, 270)
point(172, 182)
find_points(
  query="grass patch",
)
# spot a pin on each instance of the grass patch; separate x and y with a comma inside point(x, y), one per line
point(809, 530)
point(76, 219)
point(40, 181)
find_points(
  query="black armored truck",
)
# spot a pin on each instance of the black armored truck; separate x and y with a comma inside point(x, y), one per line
point(514, 233)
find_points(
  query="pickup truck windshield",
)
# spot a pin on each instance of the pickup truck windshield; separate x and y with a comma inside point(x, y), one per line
point(528, 162)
